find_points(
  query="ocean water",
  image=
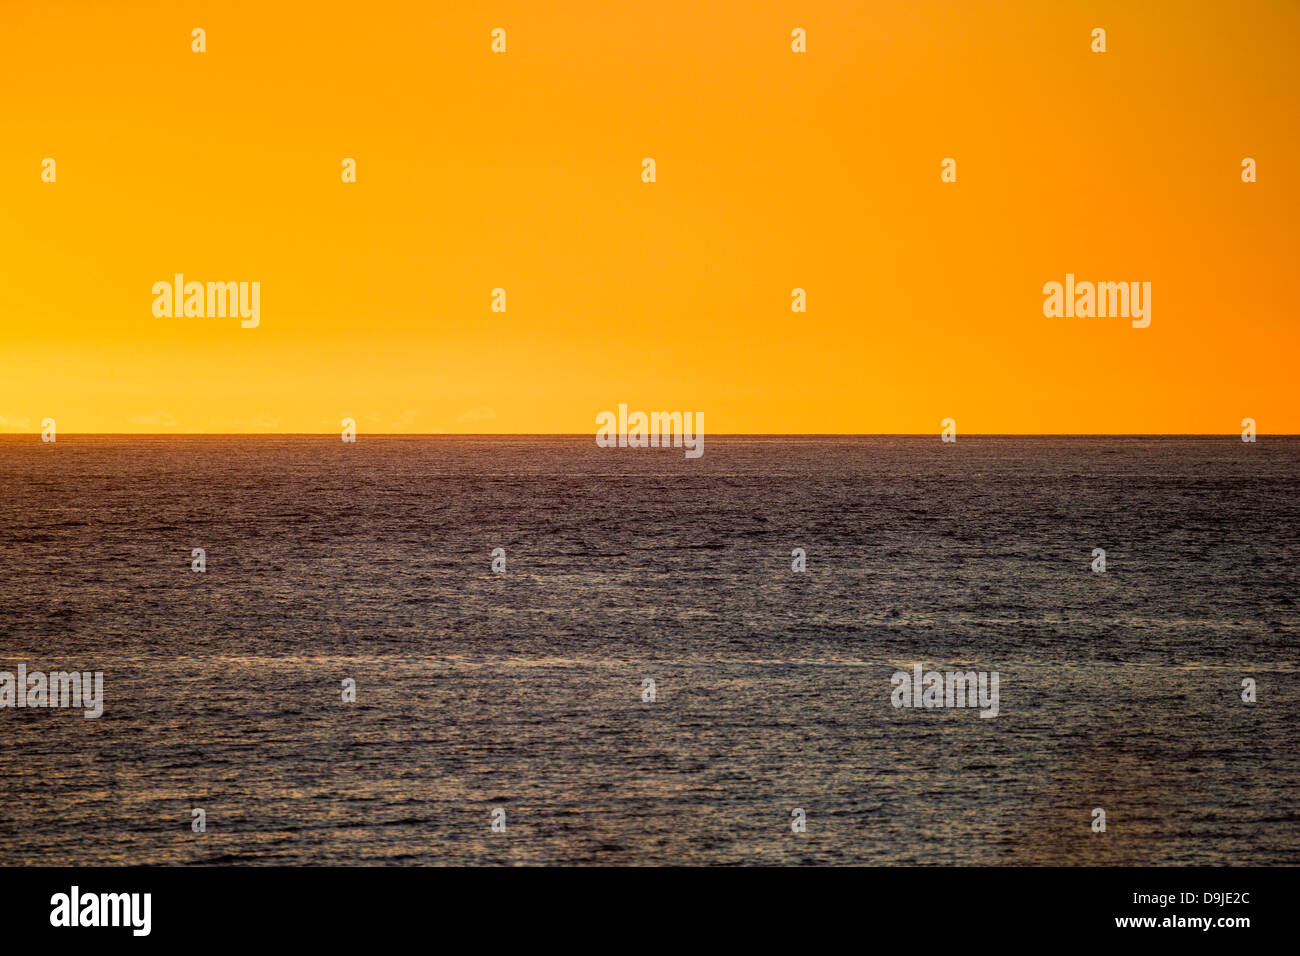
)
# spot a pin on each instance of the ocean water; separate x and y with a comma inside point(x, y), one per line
point(328, 561)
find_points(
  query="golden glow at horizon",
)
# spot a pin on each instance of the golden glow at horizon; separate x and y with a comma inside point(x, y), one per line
point(775, 170)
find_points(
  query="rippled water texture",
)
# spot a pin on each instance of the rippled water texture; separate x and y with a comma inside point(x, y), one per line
point(328, 561)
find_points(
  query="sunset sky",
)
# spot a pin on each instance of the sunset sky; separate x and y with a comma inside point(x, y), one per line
point(775, 170)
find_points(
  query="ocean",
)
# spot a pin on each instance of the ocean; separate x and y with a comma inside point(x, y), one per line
point(524, 691)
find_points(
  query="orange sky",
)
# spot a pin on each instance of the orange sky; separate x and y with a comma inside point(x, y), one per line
point(775, 170)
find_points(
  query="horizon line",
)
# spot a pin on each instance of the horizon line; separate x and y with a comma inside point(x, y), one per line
point(335, 434)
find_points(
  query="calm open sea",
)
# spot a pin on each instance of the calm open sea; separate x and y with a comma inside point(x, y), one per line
point(523, 690)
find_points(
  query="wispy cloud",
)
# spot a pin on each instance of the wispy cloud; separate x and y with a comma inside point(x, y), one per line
point(158, 419)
